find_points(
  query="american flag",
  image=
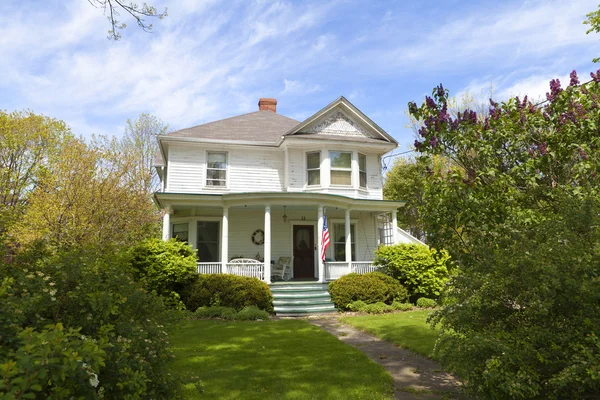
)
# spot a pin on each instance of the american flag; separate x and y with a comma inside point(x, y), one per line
point(325, 238)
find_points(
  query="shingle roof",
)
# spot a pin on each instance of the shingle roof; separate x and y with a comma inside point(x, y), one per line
point(258, 126)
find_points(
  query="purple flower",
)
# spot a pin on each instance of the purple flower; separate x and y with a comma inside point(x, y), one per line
point(555, 89)
point(433, 141)
point(582, 153)
point(440, 91)
point(543, 148)
point(595, 76)
point(430, 103)
point(486, 123)
point(444, 116)
point(574, 79)
point(417, 144)
point(493, 103)
point(422, 131)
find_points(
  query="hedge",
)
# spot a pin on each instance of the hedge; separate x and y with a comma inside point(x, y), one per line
point(372, 287)
point(227, 290)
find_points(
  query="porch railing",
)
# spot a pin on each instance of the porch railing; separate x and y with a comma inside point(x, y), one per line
point(337, 269)
point(209, 267)
point(252, 270)
point(333, 269)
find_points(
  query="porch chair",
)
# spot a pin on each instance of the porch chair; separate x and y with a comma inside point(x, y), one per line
point(282, 269)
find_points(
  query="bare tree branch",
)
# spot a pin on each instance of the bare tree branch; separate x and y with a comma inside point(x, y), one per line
point(139, 12)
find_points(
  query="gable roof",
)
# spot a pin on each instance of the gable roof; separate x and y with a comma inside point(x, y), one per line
point(259, 126)
point(377, 134)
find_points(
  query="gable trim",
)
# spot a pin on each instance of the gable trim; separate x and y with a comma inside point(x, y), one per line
point(342, 101)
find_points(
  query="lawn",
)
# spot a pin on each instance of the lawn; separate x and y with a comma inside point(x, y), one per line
point(406, 329)
point(286, 359)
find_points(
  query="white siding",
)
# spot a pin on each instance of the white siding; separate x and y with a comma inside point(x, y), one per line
point(296, 170)
point(249, 169)
point(256, 170)
point(185, 169)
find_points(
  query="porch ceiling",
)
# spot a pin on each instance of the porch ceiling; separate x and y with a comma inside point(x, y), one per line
point(297, 200)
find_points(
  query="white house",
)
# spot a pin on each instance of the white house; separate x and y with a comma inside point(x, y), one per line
point(260, 185)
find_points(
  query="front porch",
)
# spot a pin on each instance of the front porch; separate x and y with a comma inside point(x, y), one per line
point(278, 236)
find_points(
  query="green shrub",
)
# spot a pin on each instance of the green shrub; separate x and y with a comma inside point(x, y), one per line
point(424, 302)
point(357, 305)
point(423, 271)
point(371, 288)
point(216, 312)
point(227, 290)
point(375, 308)
point(252, 313)
point(399, 306)
point(166, 267)
point(83, 319)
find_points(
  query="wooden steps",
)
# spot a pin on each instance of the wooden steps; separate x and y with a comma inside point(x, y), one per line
point(292, 299)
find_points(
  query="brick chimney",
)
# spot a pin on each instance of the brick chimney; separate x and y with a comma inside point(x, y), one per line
point(267, 104)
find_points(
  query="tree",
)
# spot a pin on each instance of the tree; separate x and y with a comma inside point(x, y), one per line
point(138, 12)
point(406, 181)
point(88, 201)
point(27, 141)
point(138, 150)
point(593, 20)
point(520, 214)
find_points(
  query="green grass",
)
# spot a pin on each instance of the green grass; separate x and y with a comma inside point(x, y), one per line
point(406, 329)
point(286, 359)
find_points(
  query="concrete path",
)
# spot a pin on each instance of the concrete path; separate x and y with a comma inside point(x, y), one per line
point(415, 377)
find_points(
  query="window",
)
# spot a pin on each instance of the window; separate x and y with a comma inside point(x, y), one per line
point(208, 241)
point(216, 169)
point(339, 243)
point(313, 164)
point(180, 232)
point(362, 170)
point(341, 168)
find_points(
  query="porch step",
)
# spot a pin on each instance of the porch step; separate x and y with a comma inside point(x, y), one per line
point(300, 299)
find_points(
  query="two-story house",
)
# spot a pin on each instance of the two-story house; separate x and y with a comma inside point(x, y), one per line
point(261, 186)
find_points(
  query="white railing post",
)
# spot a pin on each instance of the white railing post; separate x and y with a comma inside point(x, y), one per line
point(225, 240)
point(267, 248)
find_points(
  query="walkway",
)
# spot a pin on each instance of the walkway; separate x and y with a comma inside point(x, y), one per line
point(415, 377)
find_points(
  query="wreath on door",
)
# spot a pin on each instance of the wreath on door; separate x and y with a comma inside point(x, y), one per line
point(258, 237)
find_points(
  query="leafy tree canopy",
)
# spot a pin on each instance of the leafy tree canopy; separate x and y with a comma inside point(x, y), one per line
point(520, 213)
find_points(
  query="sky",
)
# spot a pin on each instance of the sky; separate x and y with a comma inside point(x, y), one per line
point(210, 60)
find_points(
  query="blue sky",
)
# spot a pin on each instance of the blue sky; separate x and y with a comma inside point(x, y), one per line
point(214, 59)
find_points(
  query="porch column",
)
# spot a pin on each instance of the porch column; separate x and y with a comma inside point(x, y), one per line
point(267, 248)
point(348, 240)
point(225, 240)
point(167, 224)
point(395, 226)
point(320, 264)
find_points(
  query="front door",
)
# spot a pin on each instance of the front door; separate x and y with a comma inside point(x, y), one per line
point(304, 251)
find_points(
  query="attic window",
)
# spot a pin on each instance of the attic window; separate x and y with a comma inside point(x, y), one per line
point(341, 168)
point(216, 169)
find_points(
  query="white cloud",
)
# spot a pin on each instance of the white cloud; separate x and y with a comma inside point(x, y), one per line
point(299, 88)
